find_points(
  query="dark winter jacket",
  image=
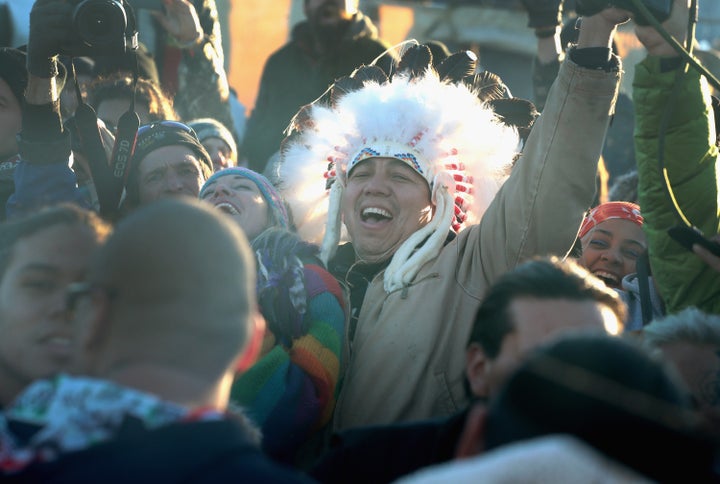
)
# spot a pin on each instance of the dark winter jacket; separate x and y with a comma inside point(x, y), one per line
point(394, 450)
point(296, 75)
point(206, 451)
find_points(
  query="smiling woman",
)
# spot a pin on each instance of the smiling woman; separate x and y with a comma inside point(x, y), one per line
point(248, 197)
point(290, 391)
point(612, 241)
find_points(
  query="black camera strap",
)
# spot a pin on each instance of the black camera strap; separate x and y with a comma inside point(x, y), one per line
point(92, 145)
point(643, 278)
point(109, 176)
point(127, 128)
point(124, 144)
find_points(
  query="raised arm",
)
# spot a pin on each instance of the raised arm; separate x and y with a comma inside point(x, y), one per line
point(545, 18)
point(203, 89)
point(541, 205)
point(43, 175)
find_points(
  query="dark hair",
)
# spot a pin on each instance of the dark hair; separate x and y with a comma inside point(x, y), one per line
point(612, 395)
point(120, 86)
point(62, 214)
point(542, 278)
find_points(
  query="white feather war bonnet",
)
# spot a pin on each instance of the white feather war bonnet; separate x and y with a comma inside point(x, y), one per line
point(440, 121)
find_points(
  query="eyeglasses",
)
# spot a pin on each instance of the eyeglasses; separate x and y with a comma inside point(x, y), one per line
point(78, 290)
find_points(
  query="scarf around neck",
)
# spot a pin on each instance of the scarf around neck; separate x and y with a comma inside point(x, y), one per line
point(68, 414)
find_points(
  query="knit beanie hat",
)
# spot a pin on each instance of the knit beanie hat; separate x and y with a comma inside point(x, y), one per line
point(267, 190)
point(168, 133)
point(610, 210)
point(211, 128)
point(13, 71)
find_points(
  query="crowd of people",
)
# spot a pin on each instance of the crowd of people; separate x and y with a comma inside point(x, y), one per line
point(396, 272)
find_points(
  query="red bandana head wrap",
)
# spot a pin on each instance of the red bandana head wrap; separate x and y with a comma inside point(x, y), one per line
point(609, 210)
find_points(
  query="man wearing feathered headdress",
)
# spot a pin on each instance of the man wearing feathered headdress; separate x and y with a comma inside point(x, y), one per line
point(410, 161)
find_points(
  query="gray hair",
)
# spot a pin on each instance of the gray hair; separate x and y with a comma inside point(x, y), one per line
point(689, 325)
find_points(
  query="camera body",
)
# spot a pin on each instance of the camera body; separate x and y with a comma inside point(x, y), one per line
point(660, 9)
point(101, 27)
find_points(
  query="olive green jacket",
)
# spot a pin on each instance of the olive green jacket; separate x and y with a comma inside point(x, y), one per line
point(690, 159)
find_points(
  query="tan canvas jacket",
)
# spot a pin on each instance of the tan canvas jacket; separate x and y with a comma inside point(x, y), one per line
point(407, 358)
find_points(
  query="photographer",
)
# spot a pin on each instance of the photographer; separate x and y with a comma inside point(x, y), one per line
point(690, 157)
point(43, 175)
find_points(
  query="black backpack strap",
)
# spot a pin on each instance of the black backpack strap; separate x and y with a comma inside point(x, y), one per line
point(643, 275)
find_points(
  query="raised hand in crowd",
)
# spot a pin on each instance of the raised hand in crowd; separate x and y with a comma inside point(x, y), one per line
point(181, 21)
point(545, 16)
point(42, 176)
point(50, 29)
point(676, 25)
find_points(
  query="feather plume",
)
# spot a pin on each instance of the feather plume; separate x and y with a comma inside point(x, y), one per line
point(458, 66)
point(343, 86)
point(489, 86)
point(415, 61)
point(300, 121)
point(516, 112)
point(367, 74)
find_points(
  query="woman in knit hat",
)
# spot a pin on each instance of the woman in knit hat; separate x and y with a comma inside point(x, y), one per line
point(291, 390)
point(612, 241)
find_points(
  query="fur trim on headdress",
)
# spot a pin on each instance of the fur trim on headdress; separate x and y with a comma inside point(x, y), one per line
point(439, 128)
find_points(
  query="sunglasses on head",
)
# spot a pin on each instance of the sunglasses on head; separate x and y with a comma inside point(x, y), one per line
point(166, 125)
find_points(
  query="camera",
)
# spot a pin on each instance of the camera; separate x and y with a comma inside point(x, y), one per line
point(660, 9)
point(102, 27)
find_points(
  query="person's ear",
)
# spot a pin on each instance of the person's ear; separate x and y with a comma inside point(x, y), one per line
point(476, 365)
point(254, 347)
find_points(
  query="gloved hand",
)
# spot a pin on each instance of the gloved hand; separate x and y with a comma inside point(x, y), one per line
point(50, 28)
point(543, 13)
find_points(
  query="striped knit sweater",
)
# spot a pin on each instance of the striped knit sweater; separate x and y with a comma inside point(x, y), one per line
point(290, 391)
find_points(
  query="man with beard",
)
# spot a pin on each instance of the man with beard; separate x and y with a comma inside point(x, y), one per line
point(334, 40)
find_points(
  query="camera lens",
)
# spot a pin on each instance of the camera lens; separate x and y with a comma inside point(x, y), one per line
point(100, 23)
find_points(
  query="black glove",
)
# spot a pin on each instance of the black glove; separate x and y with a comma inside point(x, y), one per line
point(50, 28)
point(543, 13)
point(587, 8)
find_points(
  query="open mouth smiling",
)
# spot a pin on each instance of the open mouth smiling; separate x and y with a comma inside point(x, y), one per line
point(228, 208)
point(608, 278)
point(375, 215)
